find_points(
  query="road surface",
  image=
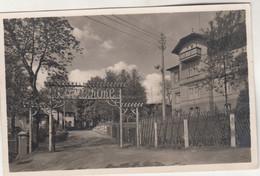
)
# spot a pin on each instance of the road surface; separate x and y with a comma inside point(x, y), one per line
point(89, 149)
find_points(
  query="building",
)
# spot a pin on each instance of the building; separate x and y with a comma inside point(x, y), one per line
point(68, 119)
point(188, 92)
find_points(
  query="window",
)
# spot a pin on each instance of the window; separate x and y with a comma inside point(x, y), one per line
point(177, 97)
point(176, 77)
point(197, 110)
point(191, 110)
point(177, 113)
point(194, 92)
point(192, 71)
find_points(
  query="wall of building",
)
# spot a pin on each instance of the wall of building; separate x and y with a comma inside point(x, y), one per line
point(70, 120)
point(208, 99)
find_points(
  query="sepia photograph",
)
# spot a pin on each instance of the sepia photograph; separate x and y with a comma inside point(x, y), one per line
point(129, 90)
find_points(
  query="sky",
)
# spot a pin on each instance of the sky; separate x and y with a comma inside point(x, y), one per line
point(119, 42)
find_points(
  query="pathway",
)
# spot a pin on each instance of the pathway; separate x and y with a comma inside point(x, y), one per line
point(89, 149)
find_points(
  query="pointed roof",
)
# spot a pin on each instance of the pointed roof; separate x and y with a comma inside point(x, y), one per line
point(173, 68)
point(186, 39)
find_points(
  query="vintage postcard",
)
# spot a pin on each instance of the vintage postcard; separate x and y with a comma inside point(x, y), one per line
point(133, 90)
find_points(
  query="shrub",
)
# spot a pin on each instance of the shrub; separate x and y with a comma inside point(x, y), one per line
point(62, 135)
point(43, 134)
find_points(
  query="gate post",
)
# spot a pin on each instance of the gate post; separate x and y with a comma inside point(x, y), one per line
point(50, 131)
point(186, 133)
point(137, 126)
point(30, 129)
point(232, 130)
point(140, 134)
point(22, 144)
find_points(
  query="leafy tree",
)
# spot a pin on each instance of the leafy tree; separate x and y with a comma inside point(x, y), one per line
point(40, 44)
point(89, 109)
point(99, 109)
point(168, 91)
point(135, 91)
point(223, 65)
point(16, 90)
point(226, 34)
point(80, 106)
point(243, 101)
point(45, 96)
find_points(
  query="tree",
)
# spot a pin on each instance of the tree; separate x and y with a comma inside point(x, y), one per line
point(40, 44)
point(243, 101)
point(134, 91)
point(90, 109)
point(168, 91)
point(227, 33)
point(46, 97)
point(99, 109)
point(16, 90)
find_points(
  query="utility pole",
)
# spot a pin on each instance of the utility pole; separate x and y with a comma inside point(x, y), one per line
point(162, 47)
point(121, 119)
point(64, 114)
point(152, 94)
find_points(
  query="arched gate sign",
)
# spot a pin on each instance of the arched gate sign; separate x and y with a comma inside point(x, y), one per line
point(110, 92)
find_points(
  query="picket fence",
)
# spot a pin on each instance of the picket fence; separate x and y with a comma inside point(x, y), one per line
point(202, 129)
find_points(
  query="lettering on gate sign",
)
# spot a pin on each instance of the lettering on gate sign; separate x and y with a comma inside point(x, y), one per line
point(92, 93)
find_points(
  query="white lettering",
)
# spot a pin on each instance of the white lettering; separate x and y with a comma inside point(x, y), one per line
point(111, 92)
point(92, 93)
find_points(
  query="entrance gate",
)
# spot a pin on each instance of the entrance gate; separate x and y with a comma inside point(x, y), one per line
point(110, 92)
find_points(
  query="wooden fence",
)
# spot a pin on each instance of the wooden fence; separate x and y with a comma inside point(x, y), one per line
point(129, 132)
point(242, 123)
point(198, 129)
point(13, 145)
point(209, 128)
point(147, 132)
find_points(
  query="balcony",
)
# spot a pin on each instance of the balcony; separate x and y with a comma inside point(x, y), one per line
point(190, 54)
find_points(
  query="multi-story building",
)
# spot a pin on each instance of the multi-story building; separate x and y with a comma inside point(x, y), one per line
point(188, 92)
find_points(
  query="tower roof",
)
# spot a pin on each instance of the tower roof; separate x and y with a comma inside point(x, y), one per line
point(186, 39)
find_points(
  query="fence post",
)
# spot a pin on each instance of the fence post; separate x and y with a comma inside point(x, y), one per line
point(137, 126)
point(155, 135)
point(232, 130)
point(140, 134)
point(186, 133)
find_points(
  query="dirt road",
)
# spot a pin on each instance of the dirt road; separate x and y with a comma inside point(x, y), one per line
point(89, 149)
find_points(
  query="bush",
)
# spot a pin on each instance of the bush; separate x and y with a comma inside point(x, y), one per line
point(43, 134)
point(62, 135)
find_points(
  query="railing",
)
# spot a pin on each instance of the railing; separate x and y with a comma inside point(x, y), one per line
point(190, 53)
